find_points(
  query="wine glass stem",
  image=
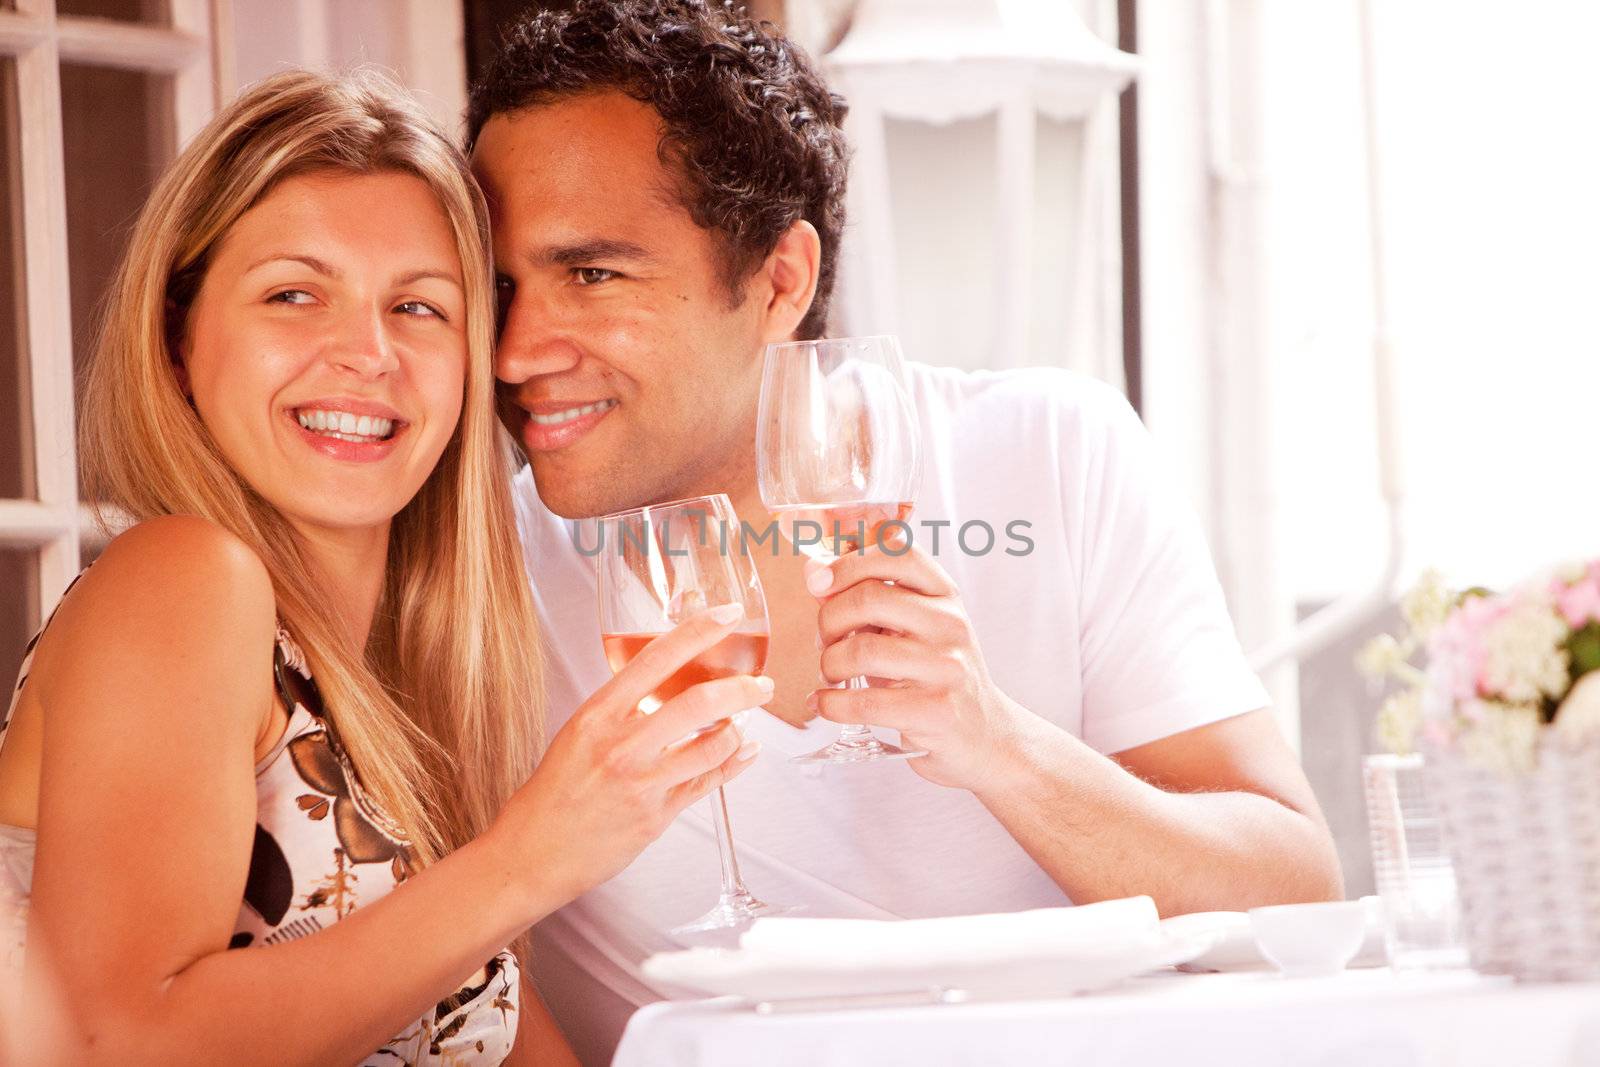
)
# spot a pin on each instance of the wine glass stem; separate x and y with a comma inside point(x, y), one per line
point(855, 733)
point(732, 881)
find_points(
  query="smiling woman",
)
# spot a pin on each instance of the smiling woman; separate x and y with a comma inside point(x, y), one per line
point(309, 673)
point(292, 356)
point(292, 398)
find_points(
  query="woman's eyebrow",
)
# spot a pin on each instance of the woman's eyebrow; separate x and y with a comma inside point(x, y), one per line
point(313, 262)
point(328, 270)
point(428, 272)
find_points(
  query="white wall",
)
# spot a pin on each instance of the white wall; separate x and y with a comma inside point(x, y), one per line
point(1490, 171)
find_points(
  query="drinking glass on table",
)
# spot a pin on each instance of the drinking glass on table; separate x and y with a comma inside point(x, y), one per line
point(658, 565)
point(837, 459)
point(1411, 865)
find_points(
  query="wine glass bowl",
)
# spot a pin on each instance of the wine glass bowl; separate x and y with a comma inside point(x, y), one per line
point(656, 567)
point(838, 462)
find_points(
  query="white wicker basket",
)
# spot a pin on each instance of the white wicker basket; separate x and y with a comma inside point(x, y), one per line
point(1526, 851)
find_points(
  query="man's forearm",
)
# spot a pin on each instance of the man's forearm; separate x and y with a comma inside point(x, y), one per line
point(1102, 833)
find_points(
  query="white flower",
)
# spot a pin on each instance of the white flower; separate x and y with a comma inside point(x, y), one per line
point(1525, 657)
point(1573, 570)
point(1427, 604)
point(1504, 740)
point(1578, 717)
point(1398, 720)
point(1380, 656)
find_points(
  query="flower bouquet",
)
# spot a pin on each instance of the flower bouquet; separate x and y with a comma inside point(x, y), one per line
point(1506, 711)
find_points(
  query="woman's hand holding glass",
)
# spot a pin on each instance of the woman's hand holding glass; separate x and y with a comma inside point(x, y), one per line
point(613, 778)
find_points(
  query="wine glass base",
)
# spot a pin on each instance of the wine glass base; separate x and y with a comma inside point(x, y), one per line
point(868, 750)
point(732, 912)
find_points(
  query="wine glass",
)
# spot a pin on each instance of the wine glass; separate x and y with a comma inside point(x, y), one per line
point(837, 442)
point(657, 566)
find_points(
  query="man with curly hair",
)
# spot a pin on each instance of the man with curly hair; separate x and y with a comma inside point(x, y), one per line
point(666, 181)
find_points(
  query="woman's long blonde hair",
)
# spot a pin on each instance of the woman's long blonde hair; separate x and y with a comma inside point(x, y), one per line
point(441, 711)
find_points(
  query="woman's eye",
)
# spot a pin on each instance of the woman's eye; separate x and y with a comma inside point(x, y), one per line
point(291, 296)
point(594, 275)
point(417, 307)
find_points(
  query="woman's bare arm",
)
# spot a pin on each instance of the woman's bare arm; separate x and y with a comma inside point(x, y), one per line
point(153, 680)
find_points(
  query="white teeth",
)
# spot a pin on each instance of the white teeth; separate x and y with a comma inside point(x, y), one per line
point(572, 413)
point(345, 425)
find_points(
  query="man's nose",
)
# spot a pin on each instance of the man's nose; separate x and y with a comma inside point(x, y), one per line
point(535, 338)
point(364, 346)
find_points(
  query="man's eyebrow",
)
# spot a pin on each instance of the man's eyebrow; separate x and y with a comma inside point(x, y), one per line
point(296, 257)
point(582, 255)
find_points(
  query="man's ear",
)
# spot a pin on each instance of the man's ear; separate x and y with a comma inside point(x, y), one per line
point(178, 345)
point(792, 271)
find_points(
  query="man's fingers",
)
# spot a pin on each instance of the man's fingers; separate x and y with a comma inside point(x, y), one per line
point(914, 569)
point(659, 659)
point(890, 607)
point(899, 709)
point(888, 656)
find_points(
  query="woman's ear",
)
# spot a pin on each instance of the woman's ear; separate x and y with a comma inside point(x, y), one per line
point(178, 345)
point(792, 271)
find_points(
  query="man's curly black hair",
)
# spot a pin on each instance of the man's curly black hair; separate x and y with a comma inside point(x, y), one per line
point(750, 127)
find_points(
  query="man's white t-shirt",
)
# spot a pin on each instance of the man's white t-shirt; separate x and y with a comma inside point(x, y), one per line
point(1112, 625)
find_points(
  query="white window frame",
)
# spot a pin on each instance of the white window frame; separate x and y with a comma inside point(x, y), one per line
point(55, 523)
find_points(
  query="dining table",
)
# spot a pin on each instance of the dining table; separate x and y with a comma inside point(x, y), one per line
point(1372, 1017)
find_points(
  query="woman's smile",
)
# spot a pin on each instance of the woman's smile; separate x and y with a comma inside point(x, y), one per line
point(358, 431)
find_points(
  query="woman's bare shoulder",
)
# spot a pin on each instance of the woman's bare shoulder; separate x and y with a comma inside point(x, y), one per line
point(171, 593)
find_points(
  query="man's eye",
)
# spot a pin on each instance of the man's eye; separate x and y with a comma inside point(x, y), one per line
point(291, 296)
point(593, 275)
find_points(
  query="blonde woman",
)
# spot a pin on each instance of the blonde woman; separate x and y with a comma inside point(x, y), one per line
point(269, 762)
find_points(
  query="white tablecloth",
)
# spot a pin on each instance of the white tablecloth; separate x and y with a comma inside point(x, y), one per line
point(1364, 1018)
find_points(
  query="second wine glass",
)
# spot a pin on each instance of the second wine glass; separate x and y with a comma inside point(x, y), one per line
point(838, 458)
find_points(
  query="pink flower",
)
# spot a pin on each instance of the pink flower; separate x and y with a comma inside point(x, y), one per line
point(1579, 603)
point(1456, 649)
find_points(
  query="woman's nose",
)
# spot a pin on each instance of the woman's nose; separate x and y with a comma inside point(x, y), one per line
point(365, 347)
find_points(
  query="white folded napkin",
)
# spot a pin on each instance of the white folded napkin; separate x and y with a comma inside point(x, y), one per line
point(1051, 951)
point(1088, 929)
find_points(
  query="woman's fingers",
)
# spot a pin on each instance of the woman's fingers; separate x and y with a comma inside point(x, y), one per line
point(659, 659)
point(715, 774)
point(696, 708)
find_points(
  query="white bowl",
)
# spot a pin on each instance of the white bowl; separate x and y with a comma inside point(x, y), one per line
point(1305, 940)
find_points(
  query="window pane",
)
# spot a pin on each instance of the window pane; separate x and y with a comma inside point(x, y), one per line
point(19, 611)
point(16, 455)
point(117, 133)
point(150, 12)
